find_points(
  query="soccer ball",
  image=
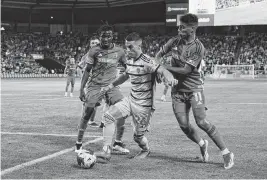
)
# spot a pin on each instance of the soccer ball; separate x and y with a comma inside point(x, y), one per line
point(86, 159)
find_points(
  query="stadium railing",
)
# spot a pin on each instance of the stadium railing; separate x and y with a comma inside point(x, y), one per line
point(16, 75)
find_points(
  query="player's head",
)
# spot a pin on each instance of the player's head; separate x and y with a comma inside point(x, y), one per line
point(105, 35)
point(94, 41)
point(133, 43)
point(188, 25)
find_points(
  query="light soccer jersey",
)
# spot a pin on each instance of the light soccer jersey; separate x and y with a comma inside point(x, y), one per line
point(142, 73)
point(105, 63)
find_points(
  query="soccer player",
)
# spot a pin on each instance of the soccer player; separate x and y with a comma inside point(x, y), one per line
point(140, 104)
point(94, 41)
point(187, 53)
point(166, 86)
point(70, 70)
point(102, 60)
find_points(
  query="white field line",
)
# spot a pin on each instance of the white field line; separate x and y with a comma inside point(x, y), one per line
point(30, 163)
point(40, 134)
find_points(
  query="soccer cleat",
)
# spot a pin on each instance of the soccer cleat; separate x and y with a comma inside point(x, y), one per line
point(105, 154)
point(228, 160)
point(119, 148)
point(101, 125)
point(93, 124)
point(142, 154)
point(66, 94)
point(204, 151)
point(78, 147)
point(163, 98)
point(71, 95)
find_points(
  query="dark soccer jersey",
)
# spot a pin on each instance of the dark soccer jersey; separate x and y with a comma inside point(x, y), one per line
point(191, 54)
point(71, 67)
point(105, 63)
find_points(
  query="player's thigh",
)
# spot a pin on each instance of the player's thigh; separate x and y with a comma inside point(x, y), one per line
point(120, 110)
point(141, 118)
point(181, 107)
point(113, 96)
point(68, 79)
point(93, 96)
point(197, 100)
point(72, 80)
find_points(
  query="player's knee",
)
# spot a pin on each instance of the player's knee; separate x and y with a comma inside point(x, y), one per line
point(203, 124)
point(186, 129)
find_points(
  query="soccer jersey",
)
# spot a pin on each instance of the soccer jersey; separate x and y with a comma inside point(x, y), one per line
point(71, 67)
point(192, 54)
point(142, 76)
point(105, 63)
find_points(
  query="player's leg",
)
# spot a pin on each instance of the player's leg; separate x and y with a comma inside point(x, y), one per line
point(141, 122)
point(115, 113)
point(199, 112)
point(72, 82)
point(105, 109)
point(112, 97)
point(181, 108)
point(92, 97)
point(92, 122)
point(166, 87)
point(67, 86)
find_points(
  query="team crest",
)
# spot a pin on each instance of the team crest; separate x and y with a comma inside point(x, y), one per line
point(138, 70)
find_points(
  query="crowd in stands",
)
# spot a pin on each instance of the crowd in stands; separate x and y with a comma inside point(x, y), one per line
point(17, 49)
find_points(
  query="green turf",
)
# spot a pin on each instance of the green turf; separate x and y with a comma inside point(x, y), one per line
point(237, 108)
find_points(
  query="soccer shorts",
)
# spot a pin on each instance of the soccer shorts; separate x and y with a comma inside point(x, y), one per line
point(93, 96)
point(183, 101)
point(71, 79)
point(141, 115)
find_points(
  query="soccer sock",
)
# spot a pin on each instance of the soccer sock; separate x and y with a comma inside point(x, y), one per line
point(120, 129)
point(201, 143)
point(72, 89)
point(92, 119)
point(165, 90)
point(80, 135)
point(216, 137)
point(225, 151)
point(108, 132)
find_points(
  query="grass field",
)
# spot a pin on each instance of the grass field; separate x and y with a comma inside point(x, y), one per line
point(39, 126)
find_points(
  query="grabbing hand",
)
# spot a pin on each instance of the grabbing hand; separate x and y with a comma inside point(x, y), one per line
point(172, 82)
point(82, 95)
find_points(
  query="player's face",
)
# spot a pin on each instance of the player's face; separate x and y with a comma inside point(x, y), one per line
point(133, 49)
point(185, 31)
point(93, 43)
point(106, 38)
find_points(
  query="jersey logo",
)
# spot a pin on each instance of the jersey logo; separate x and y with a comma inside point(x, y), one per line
point(99, 55)
point(138, 70)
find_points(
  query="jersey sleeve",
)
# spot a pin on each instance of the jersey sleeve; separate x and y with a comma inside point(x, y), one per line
point(150, 65)
point(194, 55)
point(82, 63)
point(166, 48)
point(122, 59)
point(89, 58)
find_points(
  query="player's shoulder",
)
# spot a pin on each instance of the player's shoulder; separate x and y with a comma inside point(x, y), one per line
point(146, 58)
point(197, 46)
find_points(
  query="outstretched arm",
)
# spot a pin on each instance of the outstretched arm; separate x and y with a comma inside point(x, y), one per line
point(180, 70)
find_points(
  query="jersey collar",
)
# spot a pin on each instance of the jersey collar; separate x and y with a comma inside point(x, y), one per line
point(139, 57)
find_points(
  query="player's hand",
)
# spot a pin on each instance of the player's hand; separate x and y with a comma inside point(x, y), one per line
point(172, 82)
point(82, 95)
point(105, 89)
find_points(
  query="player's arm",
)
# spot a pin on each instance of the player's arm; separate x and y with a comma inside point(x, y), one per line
point(66, 67)
point(86, 74)
point(153, 67)
point(82, 63)
point(196, 54)
point(164, 50)
point(123, 59)
point(120, 80)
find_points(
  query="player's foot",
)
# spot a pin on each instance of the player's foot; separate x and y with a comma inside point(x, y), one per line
point(66, 94)
point(101, 125)
point(71, 95)
point(142, 154)
point(228, 160)
point(105, 154)
point(119, 148)
point(78, 147)
point(204, 151)
point(93, 124)
point(163, 98)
